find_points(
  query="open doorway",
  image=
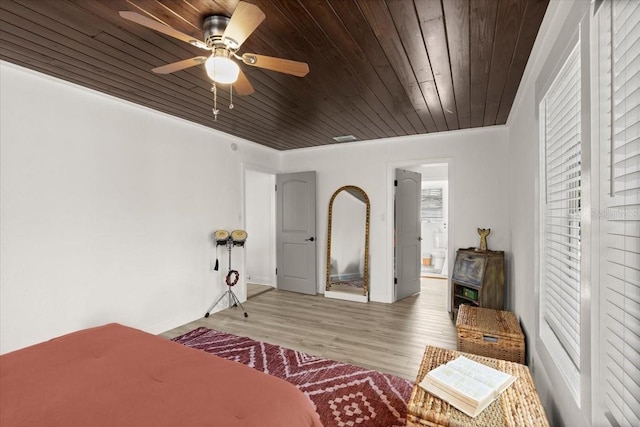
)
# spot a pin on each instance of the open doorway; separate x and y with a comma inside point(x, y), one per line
point(259, 215)
point(434, 218)
point(435, 224)
point(281, 243)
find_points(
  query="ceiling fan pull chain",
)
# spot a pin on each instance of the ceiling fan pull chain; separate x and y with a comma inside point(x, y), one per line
point(214, 89)
point(231, 96)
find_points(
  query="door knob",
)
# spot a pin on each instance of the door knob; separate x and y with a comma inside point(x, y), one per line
point(310, 239)
point(419, 239)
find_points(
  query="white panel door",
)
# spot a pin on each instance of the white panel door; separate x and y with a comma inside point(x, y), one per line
point(296, 232)
point(407, 233)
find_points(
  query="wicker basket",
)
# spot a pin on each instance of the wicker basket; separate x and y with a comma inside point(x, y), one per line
point(518, 405)
point(491, 333)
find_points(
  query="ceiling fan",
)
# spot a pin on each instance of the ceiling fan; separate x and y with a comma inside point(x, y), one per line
point(223, 36)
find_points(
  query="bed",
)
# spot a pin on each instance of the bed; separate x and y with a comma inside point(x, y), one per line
point(114, 375)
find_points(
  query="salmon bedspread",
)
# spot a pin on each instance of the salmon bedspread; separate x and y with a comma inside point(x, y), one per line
point(114, 375)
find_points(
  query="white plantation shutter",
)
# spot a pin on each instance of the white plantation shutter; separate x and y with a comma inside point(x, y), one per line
point(619, 217)
point(560, 260)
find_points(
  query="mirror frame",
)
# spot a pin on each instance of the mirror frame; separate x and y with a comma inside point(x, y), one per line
point(350, 188)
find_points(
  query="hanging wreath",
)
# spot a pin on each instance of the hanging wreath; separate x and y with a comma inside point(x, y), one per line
point(236, 276)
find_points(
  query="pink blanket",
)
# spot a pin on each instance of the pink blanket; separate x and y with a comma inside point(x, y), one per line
point(118, 376)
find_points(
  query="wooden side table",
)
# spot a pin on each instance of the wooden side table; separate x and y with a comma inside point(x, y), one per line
point(478, 279)
point(518, 405)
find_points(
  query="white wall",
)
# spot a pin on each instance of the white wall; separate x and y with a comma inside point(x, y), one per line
point(106, 210)
point(479, 187)
point(524, 207)
point(432, 172)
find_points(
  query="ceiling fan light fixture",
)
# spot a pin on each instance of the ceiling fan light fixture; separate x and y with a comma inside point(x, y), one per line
point(223, 36)
point(222, 69)
point(198, 43)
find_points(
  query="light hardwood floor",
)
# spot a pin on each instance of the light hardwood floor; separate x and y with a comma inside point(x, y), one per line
point(386, 337)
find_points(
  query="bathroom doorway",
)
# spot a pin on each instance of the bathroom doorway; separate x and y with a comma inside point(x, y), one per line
point(434, 217)
point(436, 223)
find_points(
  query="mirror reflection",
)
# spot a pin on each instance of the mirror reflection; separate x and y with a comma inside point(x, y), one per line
point(348, 243)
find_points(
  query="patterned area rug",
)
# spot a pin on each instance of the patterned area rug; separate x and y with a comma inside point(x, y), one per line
point(342, 394)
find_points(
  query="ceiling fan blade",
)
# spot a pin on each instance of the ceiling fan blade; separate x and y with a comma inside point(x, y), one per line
point(242, 85)
point(245, 19)
point(161, 28)
point(286, 66)
point(180, 65)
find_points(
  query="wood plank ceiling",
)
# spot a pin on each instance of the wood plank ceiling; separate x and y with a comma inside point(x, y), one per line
point(379, 68)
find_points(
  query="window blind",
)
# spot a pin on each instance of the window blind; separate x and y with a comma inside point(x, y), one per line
point(561, 239)
point(619, 218)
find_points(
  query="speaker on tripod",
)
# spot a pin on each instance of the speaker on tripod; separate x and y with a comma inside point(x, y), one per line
point(223, 238)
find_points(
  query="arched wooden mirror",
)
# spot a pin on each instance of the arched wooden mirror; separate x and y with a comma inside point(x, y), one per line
point(348, 244)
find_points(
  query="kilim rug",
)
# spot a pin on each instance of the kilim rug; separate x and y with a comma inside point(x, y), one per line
point(342, 394)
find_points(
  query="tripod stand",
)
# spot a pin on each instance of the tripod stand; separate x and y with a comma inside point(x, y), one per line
point(231, 280)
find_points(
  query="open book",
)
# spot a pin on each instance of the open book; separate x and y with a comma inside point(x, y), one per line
point(469, 386)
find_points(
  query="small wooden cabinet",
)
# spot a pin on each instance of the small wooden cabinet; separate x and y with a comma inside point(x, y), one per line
point(478, 279)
